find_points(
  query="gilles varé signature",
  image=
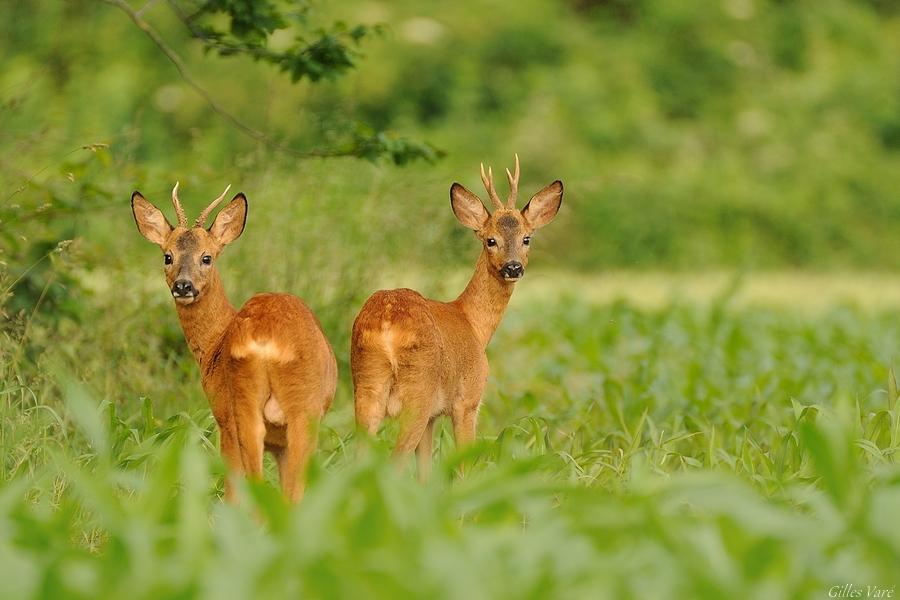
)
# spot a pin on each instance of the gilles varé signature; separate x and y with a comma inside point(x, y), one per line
point(849, 590)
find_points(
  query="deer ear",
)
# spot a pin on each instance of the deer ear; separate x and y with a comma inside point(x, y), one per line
point(150, 221)
point(544, 205)
point(230, 221)
point(469, 210)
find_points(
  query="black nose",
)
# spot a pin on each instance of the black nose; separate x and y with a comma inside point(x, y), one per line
point(182, 287)
point(512, 270)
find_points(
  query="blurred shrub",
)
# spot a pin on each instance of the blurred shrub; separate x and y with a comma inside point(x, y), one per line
point(690, 135)
point(688, 69)
point(789, 41)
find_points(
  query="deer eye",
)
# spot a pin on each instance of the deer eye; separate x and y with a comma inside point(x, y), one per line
point(168, 259)
point(491, 242)
point(526, 240)
point(207, 259)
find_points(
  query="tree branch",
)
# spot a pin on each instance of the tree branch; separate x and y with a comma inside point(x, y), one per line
point(244, 128)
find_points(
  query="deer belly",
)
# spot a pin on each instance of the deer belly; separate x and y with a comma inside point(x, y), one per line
point(272, 412)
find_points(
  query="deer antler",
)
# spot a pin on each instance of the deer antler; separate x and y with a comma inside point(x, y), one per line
point(201, 220)
point(488, 181)
point(182, 218)
point(513, 185)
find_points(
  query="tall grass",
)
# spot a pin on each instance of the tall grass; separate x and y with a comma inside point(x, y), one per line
point(677, 452)
point(627, 448)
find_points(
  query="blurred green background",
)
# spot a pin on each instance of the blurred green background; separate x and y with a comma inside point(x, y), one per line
point(691, 136)
point(717, 297)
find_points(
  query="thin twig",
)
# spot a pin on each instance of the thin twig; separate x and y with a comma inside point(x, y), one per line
point(30, 179)
point(28, 270)
point(176, 60)
point(144, 8)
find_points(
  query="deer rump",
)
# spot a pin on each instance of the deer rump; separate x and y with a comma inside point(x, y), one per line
point(279, 333)
point(403, 342)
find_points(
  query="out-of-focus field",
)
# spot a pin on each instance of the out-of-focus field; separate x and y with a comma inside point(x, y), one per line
point(704, 447)
point(801, 291)
point(692, 394)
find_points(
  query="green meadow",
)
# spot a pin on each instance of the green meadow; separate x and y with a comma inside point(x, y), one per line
point(693, 393)
point(691, 449)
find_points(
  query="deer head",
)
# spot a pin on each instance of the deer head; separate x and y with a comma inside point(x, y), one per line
point(189, 253)
point(506, 234)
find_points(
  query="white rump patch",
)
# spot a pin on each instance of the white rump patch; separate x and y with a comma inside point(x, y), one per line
point(388, 342)
point(267, 350)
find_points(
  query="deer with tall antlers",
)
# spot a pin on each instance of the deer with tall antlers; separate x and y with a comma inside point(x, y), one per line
point(267, 369)
point(416, 358)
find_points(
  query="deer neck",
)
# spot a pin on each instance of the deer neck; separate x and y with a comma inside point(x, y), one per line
point(205, 320)
point(484, 300)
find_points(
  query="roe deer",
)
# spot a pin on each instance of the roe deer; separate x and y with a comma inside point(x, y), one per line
point(267, 370)
point(418, 358)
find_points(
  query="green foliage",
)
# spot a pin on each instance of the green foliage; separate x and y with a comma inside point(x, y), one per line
point(683, 451)
point(750, 134)
point(251, 23)
point(695, 452)
point(371, 145)
point(689, 71)
point(742, 134)
point(41, 229)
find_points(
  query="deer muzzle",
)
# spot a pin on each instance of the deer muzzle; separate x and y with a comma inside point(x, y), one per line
point(183, 289)
point(512, 271)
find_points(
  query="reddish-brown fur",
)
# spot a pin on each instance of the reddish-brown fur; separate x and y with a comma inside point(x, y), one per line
point(416, 358)
point(268, 370)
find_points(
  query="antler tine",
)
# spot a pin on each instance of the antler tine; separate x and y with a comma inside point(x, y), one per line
point(513, 185)
point(488, 181)
point(179, 211)
point(201, 220)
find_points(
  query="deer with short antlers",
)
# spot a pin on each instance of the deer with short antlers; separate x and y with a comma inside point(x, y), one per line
point(416, 358)
point(268, 370)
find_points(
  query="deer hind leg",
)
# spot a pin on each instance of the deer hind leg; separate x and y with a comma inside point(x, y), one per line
point(231, 454)
point(302, 434)
point(249, 385)
point(241, 433)
point(417, 393)
point(303, 396)
point(465, 412)
point(464, 426)
point(372, 380)
point(464, 422)
point(423, 451)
